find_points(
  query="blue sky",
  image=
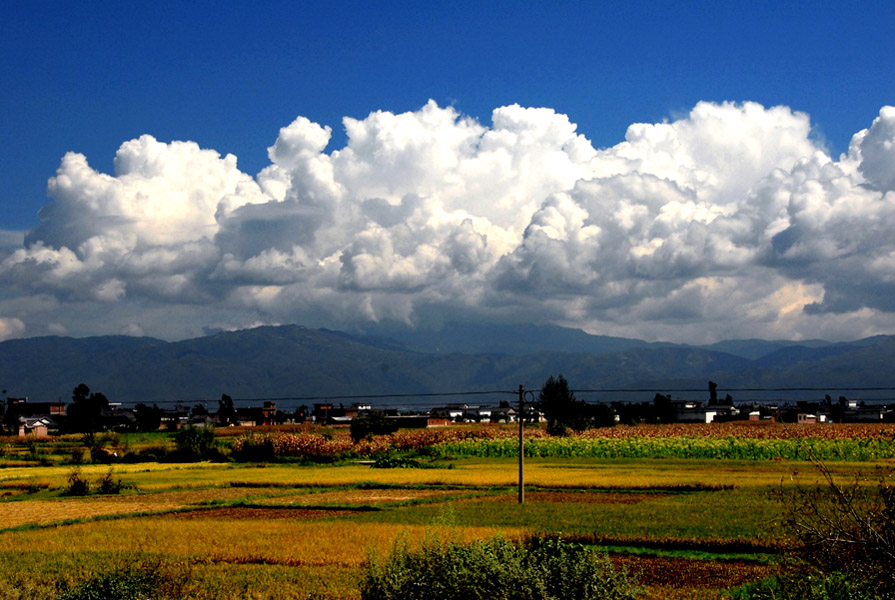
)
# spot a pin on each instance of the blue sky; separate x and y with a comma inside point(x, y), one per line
point(88, 77)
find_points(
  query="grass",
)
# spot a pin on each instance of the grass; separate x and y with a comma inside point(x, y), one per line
point(290, 531)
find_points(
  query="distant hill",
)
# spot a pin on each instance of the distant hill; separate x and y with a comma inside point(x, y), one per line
point(516, 339)
point(754, 349)
point(292, 361)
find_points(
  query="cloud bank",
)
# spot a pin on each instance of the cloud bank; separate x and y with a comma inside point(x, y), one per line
point(730, 222)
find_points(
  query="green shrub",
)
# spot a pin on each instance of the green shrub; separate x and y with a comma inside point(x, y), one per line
point(196, 443)
point(157, 453)
point(77, 485)
point(496, 569)
point(844, 542)
point(36, 451)
point(846, 529)
point(109, 485)
point(135, 582)
point(376, 423)
point(256, 448)
point(397, 462)
point(76, 456)
point(807, 586)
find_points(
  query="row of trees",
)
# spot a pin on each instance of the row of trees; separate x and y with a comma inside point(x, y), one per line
point(564, 412)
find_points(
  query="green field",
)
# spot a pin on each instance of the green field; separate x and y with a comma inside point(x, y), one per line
point(691, 528)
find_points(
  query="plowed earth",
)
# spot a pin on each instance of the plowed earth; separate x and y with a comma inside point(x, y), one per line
point(680, 578)
point(246, 514)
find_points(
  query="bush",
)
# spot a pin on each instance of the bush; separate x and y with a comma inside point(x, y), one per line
point(844, 542)
point(847, 529)
point(77, 485)
point(805, 586)
point(196, 443)
point(108, 485)
point(255, 448)
point(376, 423)
point(149, 454)
point(76, 456)
point(135, 582)
point(397, 462)
point(496, 569)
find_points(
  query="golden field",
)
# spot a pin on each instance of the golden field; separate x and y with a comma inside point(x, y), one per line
point(693, 528)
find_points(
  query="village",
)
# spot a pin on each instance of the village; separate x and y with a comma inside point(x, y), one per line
point(24, 417)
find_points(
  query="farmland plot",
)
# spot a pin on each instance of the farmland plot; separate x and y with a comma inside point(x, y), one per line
point(692, 526)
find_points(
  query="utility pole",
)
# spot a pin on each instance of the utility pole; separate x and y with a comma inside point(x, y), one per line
point(521, 446)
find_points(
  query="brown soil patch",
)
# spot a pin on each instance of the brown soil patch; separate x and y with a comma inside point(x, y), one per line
point(359, 497)
point(579, 497)
point(681, 573)
point(192, 496)
point(252, 514)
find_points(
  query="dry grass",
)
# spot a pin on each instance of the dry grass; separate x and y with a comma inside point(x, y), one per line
point(43, 512)
point(47, 511)
point(277, 546)
point(214, 536)
point(631, 473)
point(355, 497)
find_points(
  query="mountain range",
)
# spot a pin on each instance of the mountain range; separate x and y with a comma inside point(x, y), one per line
point(299, 363)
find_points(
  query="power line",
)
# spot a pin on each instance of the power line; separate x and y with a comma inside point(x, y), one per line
point(325, 398)
point(375, 396)
point(345, 397)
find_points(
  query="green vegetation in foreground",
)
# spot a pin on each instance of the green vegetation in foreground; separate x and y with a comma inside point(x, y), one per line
point(496, 569)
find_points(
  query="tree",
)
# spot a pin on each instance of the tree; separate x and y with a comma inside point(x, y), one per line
point(86, 411)
point(559, 405)
point(196, 443)
point(376, 423)
point(664, 411)
point(148, 418)
point(713, 393)
point(226, 411)
point(600, 415)
point(563, 411)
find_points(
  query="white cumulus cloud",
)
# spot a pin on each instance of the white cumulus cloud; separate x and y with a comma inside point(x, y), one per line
point(727, 222)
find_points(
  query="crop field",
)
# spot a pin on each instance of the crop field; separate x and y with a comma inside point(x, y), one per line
point(691, 526)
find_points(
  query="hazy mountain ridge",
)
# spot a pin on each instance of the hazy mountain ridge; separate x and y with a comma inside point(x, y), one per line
point(294, 361)
point(488, 338)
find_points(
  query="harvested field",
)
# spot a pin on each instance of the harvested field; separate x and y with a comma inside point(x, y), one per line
point(264, 514)
point(356, 496)
point(16, 514)
point(272, 531)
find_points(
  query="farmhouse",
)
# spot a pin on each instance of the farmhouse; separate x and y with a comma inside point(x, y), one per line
point(36, 426)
